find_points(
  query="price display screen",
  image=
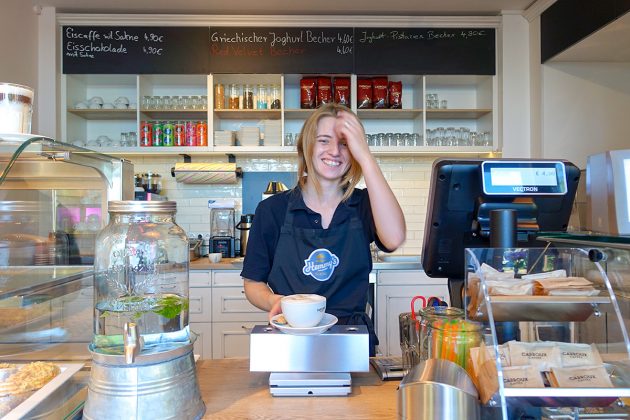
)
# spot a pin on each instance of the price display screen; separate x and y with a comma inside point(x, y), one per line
point(524, 178)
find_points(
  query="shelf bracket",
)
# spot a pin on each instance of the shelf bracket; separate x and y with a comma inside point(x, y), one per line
point(187, 158)
point(231, 158)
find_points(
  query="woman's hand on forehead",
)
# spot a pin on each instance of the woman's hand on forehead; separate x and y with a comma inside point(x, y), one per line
point(349, 127)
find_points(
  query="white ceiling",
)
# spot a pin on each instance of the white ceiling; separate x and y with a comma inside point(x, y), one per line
point(293, 7)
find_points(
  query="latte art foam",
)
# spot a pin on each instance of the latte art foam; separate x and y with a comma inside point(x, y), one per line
point(304, 298)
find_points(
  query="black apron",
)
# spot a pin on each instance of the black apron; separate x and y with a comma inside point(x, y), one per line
point(332, 262)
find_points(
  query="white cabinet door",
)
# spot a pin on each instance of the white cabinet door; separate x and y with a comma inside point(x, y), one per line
point(203, 343)
point(392, 299)
point(231, 339)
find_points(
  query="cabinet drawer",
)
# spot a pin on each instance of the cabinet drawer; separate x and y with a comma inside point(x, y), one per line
point(231, 339)
point(200, 304)
point(230, 304)
point(227, 278)
point(200, 279)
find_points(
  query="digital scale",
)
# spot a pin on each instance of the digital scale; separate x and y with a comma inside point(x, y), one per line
point(310, 365)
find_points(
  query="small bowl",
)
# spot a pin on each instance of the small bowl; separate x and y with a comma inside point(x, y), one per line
point(94, 105)
point(96, 100)
point(215, 257)
point(120, 106)
point(108, 105)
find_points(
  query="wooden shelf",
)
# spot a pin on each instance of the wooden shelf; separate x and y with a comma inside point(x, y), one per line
point(291, 150)
point(389, 114)
point(104, 114)
point(297, 114)
point(175, 114)
point(248, 114)
point(456, 114)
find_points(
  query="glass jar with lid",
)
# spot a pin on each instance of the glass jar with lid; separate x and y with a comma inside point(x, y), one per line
point(274, 97)
point(234, 96)
point(248, 97)
point(261, 96)
point(140, 273)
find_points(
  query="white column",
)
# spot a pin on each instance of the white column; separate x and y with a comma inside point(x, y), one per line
point(515, 86)
point(47, 84)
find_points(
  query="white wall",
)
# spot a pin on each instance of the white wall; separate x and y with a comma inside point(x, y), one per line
point(585, 109)
point(18, 46)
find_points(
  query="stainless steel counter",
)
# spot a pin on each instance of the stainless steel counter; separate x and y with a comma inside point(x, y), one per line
point(384, 262)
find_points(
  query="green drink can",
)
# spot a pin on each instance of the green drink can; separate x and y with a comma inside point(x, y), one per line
point(158, 134)
point(169, 134)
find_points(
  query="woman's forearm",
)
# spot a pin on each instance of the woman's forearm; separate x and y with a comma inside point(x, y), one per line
point(260, 295)
point(388, 216)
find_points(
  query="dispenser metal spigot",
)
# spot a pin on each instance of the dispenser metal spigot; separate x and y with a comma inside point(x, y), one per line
point(132, 341)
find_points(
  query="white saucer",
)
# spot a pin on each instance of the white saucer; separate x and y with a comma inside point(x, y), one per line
point(327, 321)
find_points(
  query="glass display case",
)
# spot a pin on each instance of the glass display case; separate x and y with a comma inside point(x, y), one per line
point(556, 329)
point(53, 202)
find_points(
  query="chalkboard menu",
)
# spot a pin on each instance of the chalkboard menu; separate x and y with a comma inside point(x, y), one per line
point(281, 50)
point(134, 50)
point(424, 51)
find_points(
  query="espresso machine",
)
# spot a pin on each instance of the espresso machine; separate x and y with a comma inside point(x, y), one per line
point(310, 362)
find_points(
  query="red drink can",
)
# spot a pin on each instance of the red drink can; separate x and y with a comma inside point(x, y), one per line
point(180, 133)
point(158, 134)
point(202, 133)
point(169, 134)
point(146, 134)
point(191, 133)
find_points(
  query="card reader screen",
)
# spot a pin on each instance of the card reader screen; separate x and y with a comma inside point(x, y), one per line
point(524, 178)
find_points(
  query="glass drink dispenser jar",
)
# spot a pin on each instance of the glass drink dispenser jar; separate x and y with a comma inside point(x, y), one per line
point(141, 273)
point(142, 352)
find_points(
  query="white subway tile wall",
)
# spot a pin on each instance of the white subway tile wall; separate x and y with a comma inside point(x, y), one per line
point(408, 177)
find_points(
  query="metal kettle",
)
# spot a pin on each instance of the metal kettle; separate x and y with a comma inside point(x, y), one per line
point(244, 226)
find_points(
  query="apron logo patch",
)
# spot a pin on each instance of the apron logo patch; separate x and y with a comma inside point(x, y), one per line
point(320, 264)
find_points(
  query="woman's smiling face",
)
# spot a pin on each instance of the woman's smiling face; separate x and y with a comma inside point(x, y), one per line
point(331, 157)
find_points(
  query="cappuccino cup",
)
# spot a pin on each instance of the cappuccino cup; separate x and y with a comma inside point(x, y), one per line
point(303, 310)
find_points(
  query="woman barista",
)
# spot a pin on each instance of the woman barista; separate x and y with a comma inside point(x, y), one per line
point(316, 237)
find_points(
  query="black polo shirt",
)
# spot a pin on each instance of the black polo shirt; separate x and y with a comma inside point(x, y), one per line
point(269, 218)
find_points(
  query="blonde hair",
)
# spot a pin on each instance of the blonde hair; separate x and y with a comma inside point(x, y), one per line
point(306, 143)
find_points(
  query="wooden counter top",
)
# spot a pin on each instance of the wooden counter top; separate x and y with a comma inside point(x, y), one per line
point(231, 391)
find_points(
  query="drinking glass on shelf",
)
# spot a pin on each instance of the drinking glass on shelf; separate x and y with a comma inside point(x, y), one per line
point(416, 140)
point(406, 139)
point(389, 140)
point(185, 102)
point(487, 138)
point(370, 139)
point(380, 139)
point(195, 102)
point(397, 140)
point(203, 101)
point(166, 102)
point(431, 137)
point(146, 102)
point(124, 138)
point(159, 102)
point(132, 139)
point(443, 104)
point(288, 139)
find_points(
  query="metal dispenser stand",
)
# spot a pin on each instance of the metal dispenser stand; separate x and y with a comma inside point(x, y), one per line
point(310, 365)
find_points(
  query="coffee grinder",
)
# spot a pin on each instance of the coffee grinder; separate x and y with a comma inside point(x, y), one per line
point(222, 229)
